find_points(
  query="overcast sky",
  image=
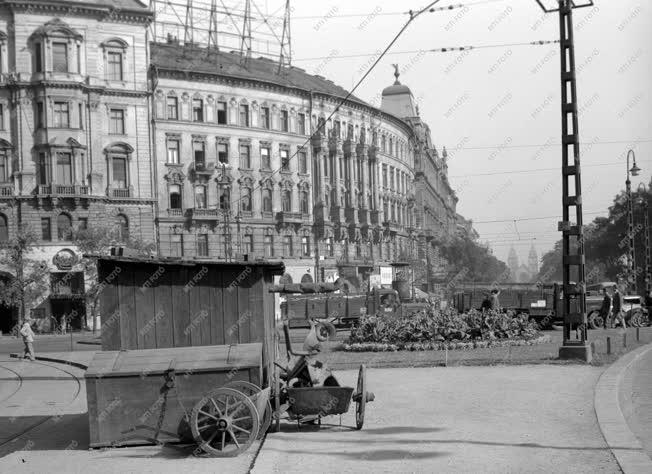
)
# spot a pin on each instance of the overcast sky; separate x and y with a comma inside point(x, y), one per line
point(497, 109)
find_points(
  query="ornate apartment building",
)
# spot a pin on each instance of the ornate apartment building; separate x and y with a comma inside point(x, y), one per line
point(74, 130)
point(206, 154)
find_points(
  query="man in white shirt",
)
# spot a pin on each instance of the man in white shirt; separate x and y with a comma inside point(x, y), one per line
point(28, 338)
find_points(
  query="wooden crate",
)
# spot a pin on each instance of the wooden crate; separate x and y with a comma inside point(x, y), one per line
point(126, 390)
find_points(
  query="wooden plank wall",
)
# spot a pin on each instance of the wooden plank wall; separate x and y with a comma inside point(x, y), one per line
point(185, 305)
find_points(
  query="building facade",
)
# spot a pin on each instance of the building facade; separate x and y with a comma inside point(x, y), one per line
point(74, 131)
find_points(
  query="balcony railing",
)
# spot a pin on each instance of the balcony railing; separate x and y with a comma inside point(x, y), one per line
point(6, 190)
point(63, 190)
point(121, 193)
point(175, 212)
point(289, 217)
point(204, 214)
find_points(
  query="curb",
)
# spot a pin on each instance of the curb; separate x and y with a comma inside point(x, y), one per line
point(624, 445)
point(79, 365)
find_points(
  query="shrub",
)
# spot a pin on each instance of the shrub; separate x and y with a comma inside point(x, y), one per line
point(434, 326)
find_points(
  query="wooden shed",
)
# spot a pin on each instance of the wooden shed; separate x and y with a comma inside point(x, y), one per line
point(153, 304)
point(136, 397)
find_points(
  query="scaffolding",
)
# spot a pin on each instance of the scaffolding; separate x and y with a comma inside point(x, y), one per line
point(241, 26)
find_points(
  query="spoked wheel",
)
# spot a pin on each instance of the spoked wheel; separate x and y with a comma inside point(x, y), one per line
point(360, 397)
point(250, 389)
point(225, 422)
point(595, 320)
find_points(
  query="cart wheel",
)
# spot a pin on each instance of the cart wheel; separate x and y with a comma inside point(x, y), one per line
point(224, 423)
point(250, 389)
point(360, 397)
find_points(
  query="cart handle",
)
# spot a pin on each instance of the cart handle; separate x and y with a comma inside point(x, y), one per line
point(288, 343)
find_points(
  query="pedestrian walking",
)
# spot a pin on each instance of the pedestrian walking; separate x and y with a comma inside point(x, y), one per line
point(28, 338)
point(617, 313)
point(605, 309)
point(495, 302)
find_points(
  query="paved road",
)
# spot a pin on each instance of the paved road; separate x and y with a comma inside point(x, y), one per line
point(49, 343)
point(636, 400)
point(463, 419)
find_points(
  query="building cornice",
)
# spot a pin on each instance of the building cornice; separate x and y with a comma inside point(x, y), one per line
point(101, 12)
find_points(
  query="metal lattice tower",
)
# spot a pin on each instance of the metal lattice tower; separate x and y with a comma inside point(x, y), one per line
point(574, 292)
point(245, 42)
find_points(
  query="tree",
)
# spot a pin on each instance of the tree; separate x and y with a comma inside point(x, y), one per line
point(29, 275)
point(95, 242)
point(468, 260)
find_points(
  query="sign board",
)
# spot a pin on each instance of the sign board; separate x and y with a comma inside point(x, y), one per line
point(386, 275)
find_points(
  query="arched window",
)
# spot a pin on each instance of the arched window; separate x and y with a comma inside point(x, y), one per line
point(267, 200)
point(64, 227)
point(304, 202)
point(285, 279)
point(175, 196)
point(4, 230)
point(122, 226)
point(306, 278)
point(286, 201)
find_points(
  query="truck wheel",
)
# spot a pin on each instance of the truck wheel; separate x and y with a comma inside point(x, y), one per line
point(595, 320)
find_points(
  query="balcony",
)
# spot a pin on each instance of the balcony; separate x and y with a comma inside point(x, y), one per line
point(6, 190)
point(70, 190)
point(203, 214)
point(200, 167)
point(120, 193)
point(285, 217)
point(337, 214)
point(175, 212)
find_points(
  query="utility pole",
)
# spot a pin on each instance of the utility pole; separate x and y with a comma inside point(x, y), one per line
point(643, 200)
point(631, 254)
point(574, 307)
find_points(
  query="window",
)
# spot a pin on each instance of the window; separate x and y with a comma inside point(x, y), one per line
point(200, 197)
point(305, 246)
point(246, 200)
point(326, 163)
point(391, 178)
point(384, 176)
point(202, 245)
point(225, 199)
point(221, 113)
point(173, 108)
point(223, 153)
point(329, 247)
point(383, 144)
point(46, 231)
point(122, 226)
point(82, 223)
point(114, 63)
point(59, 57)
point(175, 196)
point(2, 117)
point(301, 124)
point(303, 162)
point(265, 162)
point(285, 121)
point(80, 114)
point(38, 60)
point(391, 147)
point(64, 227)
point(61, 115)
point(337, 129)
point(176, 245)
point(4, 166)
point(267, 200)
point(40, 123)
point(286, 200)
point(304, 202)
point(4, 230)
point(117, 122)
point(199, 155)
point(245, 157)
point(119, 172)
point(43, 169)
point(248, 244)
point(287, 245)
point(64, 169)
point(268, 244)
point(197, 110)
point(264, 117)
point(285, 160)
point(173, 152)
point(244, 115)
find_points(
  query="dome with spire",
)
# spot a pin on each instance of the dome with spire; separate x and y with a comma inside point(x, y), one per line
point(397, 99)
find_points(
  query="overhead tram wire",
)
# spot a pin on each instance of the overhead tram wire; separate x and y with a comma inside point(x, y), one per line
point(413, 16)
point(535, 170)
point(530, 218)
point(452, 49)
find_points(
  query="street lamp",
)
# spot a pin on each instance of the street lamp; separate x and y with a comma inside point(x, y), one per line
point(631, 257)
point(643, 201)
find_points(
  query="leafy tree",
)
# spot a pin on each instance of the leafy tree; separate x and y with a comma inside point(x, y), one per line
point(30, 276)
point(606, 244)
point(95, 242)
point(469, 260)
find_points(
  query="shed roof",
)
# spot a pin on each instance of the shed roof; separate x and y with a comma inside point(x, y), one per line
point(181, 359)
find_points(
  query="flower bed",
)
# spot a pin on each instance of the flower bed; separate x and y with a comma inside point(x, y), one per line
point(432, 329)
